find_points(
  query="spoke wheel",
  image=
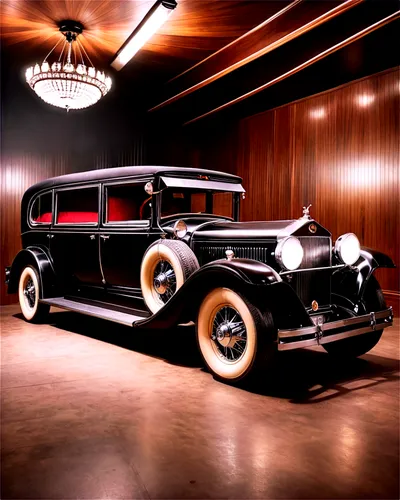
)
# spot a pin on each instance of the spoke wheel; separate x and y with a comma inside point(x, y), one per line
point(166, 265)
point(229, 334)
point(164, 281)
point(232, 334)
point(28, 294)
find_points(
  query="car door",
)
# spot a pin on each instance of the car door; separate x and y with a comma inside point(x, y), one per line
point(74, 244)
point(125, 233)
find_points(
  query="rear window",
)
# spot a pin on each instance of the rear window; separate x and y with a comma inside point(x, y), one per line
point(78, 206)
point(41, 212)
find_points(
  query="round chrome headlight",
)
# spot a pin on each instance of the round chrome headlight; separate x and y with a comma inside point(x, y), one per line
point(289, 253)
point(347, 248)
point(180, 229)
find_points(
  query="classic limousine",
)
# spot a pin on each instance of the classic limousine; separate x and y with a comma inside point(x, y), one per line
point(159, 246)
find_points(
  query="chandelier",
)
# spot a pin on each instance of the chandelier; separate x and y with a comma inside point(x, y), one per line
point(69, 82)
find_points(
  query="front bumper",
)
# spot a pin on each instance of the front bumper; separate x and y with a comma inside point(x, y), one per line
point(336, 330)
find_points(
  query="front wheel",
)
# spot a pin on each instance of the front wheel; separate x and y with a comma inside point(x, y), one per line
point(232, 335)
point(353, 347)
point(28, 295)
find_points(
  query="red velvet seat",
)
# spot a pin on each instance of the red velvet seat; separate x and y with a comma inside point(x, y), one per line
point(121, 209)
point(46, 217)
point(77, 217)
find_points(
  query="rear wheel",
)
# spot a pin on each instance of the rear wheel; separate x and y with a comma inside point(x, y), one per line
point(357, 346)
point(28, 294)
point(232, 335)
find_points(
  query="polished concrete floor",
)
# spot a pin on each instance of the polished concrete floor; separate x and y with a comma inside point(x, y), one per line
point(95, 410)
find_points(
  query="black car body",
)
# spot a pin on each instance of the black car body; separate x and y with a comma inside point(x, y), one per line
point(145, 246)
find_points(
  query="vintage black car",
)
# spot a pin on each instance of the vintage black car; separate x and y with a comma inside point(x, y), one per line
point(156, 247)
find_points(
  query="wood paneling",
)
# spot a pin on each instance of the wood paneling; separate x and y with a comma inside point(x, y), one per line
point(290, 22)
point(339, 150)
point(33, 25)
point(40, 141)
point(295, 57)
point(341, 153)
point(194, 30)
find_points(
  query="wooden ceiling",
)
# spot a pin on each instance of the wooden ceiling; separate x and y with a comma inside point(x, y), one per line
point(214, 54)
point(195, 29)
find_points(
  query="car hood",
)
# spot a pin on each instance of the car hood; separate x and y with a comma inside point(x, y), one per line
point(222, 230)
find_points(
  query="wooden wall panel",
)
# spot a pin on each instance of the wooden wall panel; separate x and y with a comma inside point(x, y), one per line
point(339, 151)
point(39, 141)
point(18, 172)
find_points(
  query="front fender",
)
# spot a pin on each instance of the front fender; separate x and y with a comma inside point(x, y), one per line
point(36, 257)
point(254, 271)
point(350, 282)
point(257, 282)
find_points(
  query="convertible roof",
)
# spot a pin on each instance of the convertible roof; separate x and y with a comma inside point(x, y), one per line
point(120, 172)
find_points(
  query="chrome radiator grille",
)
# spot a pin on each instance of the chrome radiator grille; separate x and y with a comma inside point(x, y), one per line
point(208, 253)
point(314, 284)
point(309, 285)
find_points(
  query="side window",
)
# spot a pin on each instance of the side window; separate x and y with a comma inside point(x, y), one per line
point(127, 203)
point(41, 212)
point(78, 206)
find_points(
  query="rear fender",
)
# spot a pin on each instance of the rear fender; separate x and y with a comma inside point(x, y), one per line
point(349, 283)
point(258, 283)
point(37, 258)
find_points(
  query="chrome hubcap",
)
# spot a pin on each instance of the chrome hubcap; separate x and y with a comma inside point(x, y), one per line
point(229, 334)
point(30, 293)
point(164, 280)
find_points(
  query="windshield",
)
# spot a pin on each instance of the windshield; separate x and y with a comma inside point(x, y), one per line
point(176, 201)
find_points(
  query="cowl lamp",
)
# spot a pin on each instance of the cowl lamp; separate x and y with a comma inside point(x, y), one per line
point(71, 82)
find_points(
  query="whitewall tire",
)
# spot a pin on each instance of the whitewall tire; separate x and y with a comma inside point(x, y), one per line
point(28, 295)
point(165, 267)
point(230, 334)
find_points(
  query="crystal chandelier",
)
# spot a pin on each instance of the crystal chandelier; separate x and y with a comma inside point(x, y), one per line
point(69, 82)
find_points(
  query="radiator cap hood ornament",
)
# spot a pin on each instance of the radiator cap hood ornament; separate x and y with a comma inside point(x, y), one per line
point(306, 212)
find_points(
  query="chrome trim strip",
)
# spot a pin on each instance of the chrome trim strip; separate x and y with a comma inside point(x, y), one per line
point(318, 330)
point(339, 266)
point(103, 280)
point(94, 311)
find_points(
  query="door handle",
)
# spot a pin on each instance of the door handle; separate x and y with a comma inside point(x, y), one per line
point(92, 236)
point(105, 236)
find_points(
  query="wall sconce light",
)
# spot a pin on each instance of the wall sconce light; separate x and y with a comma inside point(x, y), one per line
point(365, 100)
point(151, 22)
point(318, 113)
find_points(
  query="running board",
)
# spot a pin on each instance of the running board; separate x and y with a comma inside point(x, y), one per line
point(96, 311)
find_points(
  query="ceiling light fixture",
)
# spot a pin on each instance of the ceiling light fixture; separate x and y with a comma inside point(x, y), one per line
point(65, 84)
point(151, 22)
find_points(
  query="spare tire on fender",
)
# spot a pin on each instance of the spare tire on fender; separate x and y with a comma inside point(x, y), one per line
point(166, 265)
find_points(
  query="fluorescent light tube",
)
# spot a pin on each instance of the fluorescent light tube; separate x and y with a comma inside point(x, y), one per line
point(153, 21)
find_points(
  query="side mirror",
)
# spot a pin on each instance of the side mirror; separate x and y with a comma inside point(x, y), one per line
point(149, 188)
